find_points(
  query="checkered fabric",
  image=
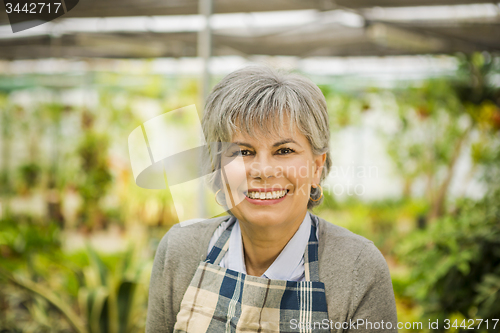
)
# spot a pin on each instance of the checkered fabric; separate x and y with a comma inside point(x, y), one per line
point(222, 300)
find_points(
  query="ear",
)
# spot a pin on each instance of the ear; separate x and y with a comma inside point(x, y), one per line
point(319, 162)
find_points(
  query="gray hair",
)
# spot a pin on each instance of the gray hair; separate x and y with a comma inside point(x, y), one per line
point(259, 97)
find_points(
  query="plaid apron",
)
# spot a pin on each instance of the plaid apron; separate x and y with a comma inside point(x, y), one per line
point(221, 300)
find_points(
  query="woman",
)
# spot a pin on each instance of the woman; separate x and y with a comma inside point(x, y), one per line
point(271, 265)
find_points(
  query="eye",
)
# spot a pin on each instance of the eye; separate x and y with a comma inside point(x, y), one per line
point(243, 152)
point(285, 151)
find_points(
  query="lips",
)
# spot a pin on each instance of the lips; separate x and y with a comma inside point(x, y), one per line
point(270, 194)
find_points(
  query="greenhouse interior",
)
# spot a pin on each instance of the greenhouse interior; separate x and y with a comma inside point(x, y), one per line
point(413, 96)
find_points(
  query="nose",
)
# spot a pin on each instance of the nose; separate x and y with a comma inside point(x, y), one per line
point(262, 167)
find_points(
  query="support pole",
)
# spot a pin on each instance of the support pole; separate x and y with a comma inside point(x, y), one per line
point(205, 8)
point(205, 47)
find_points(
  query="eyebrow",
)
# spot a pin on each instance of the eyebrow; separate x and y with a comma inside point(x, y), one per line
point(279, 143)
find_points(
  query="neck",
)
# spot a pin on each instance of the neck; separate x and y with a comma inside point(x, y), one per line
point(262, 245)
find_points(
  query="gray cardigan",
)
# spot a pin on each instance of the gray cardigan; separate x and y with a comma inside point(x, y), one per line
point(356, 277)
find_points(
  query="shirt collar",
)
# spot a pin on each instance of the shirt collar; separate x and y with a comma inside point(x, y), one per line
point(289, 263)
point(235, 258)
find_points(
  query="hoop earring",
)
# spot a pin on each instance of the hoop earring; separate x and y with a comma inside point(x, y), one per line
point(321, 189)
point(216, 198)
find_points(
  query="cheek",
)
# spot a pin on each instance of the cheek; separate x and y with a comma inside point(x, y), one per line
point(235, 173)
point(298, 171)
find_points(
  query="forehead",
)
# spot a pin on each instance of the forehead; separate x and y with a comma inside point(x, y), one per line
point(273, 125)
point(266, 138)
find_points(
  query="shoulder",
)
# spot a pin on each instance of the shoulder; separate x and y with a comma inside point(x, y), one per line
point(341, 241)
point(194, 228)
point(189, 235)
point(341, 249)
point(356, 276)
point(177, 257)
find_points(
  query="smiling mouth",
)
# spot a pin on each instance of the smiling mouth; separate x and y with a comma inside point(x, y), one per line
point(271, 195)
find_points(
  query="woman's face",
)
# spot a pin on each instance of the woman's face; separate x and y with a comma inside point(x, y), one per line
point(279, 171)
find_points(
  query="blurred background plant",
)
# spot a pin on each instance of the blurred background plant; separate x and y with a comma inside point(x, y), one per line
point(47, 289)
point(463, 243)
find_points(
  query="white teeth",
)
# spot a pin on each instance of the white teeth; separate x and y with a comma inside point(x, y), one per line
point(266, 195)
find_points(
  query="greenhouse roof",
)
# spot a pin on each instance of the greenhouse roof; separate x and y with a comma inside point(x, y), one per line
point(300, 28)
point(115, 8)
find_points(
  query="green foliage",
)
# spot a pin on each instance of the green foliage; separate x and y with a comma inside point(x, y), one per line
point(438, 121)
point(384, 222)
point(95, 177)
point(451, 268)
point(53, 291)
point(22, 237)
point(343, 109)
point(476, 78)
point(456, 261)
point(30, 251)
point(431, 120)
point(105, 294)
point(29, 175)
point(112, 298)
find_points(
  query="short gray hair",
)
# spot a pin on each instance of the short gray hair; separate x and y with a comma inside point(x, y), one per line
point(259, 97)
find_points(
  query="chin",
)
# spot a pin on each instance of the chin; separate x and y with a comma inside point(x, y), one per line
point(263, 217)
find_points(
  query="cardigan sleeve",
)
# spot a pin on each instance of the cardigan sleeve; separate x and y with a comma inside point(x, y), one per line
point(177, 258)
point(373, 306)
point(159, 320)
